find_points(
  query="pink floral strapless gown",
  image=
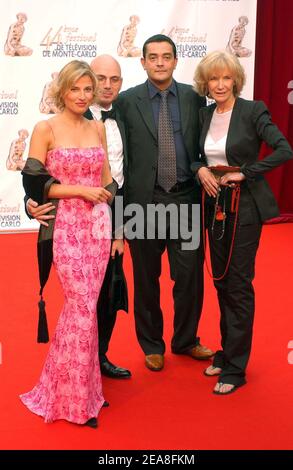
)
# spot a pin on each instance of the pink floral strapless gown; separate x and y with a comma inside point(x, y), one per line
point(70, 384)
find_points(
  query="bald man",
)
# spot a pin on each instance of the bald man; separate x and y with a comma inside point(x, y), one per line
point(108, 73)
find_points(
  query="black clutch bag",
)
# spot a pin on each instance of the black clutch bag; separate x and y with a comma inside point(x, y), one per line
point(118, 294)
point(112, 188)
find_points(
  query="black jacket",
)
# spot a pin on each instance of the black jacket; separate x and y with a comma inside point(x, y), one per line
point(250, 125)
point(142, 140)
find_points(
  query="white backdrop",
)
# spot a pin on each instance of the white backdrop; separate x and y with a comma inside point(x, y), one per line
point(38, 37)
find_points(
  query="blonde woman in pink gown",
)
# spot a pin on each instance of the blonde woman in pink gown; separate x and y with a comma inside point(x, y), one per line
point(73, 151)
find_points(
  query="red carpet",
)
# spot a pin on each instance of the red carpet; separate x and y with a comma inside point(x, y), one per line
point(172, 409)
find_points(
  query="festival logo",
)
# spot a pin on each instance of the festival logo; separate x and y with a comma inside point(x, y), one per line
point(13, 46)
point(188, 44)
point(15, 161)
point(68, 41)
point(47, 105)
point(8, 102)
point(237, 34)
point(126, 47)
point(9, 216)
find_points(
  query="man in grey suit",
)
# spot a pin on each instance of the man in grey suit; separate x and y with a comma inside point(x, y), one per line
point(140, 109)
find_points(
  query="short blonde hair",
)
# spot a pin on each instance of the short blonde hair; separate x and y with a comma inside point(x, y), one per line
point(214, 61)
point(67, 76)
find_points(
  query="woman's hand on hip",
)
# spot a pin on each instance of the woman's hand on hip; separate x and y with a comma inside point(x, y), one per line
point(232, 178)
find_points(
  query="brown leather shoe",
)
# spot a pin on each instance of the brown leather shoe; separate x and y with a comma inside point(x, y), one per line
point(154, 362)
point(201, 353)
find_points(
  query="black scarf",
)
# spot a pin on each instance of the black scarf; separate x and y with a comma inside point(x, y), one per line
point(36, 182)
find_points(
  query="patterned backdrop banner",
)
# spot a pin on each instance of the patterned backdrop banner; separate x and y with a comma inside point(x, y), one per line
point(37, 38)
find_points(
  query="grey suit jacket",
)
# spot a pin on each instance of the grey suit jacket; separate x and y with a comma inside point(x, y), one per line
point(250, 125)
point(142, 140)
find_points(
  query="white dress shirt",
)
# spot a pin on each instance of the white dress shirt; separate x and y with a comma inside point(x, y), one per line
point(114, 144)
point(215, 143)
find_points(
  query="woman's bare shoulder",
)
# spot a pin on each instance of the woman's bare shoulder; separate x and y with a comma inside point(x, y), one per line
point(98, 125)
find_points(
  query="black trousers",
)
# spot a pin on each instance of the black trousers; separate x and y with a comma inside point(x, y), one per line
point(106, 318)
point(235, 294)
point(186, 270)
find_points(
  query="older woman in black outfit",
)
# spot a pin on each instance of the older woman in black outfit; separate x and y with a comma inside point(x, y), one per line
point(232, 130)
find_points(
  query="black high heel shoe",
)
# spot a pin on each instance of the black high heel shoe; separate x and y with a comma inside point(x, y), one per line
point(105, 404)
point(92, 423)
